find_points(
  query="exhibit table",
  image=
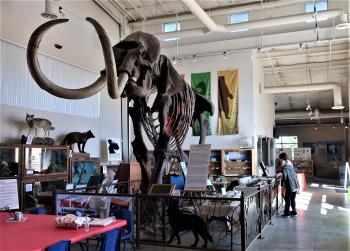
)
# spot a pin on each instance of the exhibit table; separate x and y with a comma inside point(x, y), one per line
point(38, 232)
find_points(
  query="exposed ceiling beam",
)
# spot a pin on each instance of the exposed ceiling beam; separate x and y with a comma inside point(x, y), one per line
point(137, 9)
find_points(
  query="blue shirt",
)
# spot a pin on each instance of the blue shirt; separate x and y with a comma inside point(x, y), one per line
point(289, 178)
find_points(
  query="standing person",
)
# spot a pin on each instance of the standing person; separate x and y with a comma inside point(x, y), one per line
point(290, 183)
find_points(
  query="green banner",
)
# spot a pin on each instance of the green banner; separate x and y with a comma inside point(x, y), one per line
point(201, 83)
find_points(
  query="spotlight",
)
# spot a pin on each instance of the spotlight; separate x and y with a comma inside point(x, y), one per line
point(316, 128)
point(333, 127)
point(224, 54)
point(194, 58)
point(300, 47)
point(346, 127)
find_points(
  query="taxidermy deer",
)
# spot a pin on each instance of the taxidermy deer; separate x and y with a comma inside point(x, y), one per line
point(36, 123)
point(135, 69)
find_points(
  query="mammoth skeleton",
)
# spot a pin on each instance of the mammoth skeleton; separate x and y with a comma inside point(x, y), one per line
point(135, 69)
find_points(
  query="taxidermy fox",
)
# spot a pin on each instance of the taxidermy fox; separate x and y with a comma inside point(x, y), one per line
point(78, 137)
point(36, 123)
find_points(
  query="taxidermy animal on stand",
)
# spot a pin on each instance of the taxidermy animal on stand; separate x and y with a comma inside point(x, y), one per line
point(77, 137)
point(135, 69)
point(180, 221)
point(36, 123)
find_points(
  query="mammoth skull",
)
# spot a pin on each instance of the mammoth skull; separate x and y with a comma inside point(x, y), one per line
point(128, 74)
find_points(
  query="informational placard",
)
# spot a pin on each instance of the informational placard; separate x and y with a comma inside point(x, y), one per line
point(9, 194)
point(162, 189)
point(114, 149)
point(302, 153)
point(198, 168)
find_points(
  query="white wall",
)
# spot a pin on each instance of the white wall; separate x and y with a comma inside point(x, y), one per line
point(264, 105)
point(78, 62)
point(13, 126)
point(213, 64)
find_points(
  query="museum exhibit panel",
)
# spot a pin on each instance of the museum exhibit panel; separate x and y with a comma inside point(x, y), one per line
point(219, 125)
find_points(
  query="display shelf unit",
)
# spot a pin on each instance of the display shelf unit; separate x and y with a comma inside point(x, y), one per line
point(39, 169)
point(10, 161)
point(238, 162)
point(305, 166)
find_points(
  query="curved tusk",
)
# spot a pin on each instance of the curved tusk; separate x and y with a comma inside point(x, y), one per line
point(115, 88)
point(122, 80)
point(43, 81)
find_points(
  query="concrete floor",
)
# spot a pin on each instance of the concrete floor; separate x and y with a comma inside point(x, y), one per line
point(323, 223)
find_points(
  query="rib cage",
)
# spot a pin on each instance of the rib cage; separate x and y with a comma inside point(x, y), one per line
point(179, 118)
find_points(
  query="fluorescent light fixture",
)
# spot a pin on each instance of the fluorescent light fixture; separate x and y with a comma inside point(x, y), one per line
point(338, 107)
point(171, 39)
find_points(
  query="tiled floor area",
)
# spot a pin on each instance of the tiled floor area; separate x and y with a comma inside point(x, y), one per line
point(323, 223)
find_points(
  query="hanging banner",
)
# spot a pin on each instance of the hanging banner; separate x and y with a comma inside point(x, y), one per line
point(201, 85)
point(228, 102)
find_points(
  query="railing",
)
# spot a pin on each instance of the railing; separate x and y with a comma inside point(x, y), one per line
point(225, 223)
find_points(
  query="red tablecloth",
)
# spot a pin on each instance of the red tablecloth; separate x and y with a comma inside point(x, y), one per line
point(39, 232)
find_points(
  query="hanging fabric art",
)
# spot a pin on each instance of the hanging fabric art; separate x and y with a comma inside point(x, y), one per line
point(201, 85)
point(228, 102)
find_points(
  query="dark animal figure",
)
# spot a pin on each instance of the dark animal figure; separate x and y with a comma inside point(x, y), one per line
point(78, 137)
point(112, 146)
point(224, 93)
point(180, 221)
point(36, 123)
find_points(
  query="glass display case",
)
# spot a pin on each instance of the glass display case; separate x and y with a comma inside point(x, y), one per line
point(10, 160)
point(39, 194)
point(43, 160)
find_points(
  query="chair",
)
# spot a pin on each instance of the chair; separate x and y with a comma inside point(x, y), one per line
point(60, 246)
point(39, 210)
point(110, 240)
point(128, 231)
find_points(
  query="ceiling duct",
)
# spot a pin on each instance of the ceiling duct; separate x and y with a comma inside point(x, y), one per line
point(302, 115)
point(50, 10)
point(204, 18)
point(308, 88)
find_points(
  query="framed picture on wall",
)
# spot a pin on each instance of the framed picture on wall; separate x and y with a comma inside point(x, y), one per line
point(82, 170)
point(114, 149)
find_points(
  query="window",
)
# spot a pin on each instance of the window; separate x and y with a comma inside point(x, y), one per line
point(287, 142)
point(238, 17)
point(171, 27)
point(320, 6)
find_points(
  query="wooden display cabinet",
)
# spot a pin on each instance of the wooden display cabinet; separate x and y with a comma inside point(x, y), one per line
point(10, 161)
point(304, 166)
point(129, 172)
point(238, 162)
point(42, 160)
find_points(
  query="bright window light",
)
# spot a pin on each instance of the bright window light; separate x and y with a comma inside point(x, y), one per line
point(171, 27)
point(321, 5)
point(239, 17)
point(315, 185)
point(287, 142)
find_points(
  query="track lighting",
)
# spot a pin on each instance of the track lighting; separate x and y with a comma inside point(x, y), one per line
point(194, 59)
point(300, 49)
point(224, 54)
